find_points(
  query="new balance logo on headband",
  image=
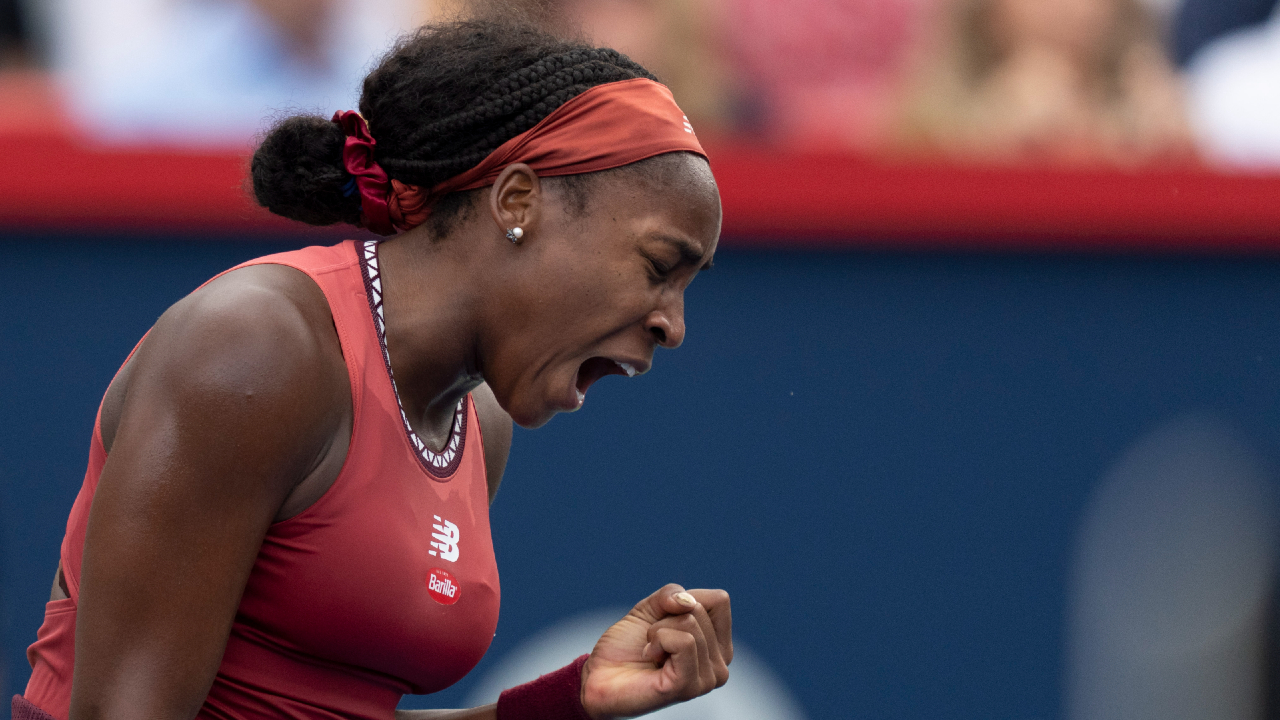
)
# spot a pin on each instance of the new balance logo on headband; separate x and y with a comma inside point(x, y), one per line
point(687, 127)
point(445, 539)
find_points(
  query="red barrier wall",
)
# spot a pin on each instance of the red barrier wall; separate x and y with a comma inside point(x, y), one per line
point(770, 197)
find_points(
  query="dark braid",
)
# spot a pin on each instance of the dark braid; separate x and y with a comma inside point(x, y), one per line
point(440, 102)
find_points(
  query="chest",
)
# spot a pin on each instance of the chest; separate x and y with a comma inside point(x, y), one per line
point(392, 570)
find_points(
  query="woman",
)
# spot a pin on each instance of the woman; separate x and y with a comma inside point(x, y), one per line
point(286, 507)
point(1068, 82)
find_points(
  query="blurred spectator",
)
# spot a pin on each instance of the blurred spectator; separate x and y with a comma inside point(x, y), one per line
point(15, 50)
point(33, 106)
point(1234, 87)
point(824, 72)
point(31, 102)
point(680, 41)
point(1200, 22)
point(213, 71)
point(803, 72)
point(1064, 81)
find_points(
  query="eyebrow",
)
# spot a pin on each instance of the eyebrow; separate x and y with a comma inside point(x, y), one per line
point(689, 253)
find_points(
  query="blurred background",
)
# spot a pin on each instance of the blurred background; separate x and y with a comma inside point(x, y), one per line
point(979, 412)
point(1119, 82)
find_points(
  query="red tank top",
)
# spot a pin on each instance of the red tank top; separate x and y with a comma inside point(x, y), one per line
point(386, 585)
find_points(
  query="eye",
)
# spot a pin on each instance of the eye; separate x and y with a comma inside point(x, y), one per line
point(658, 270)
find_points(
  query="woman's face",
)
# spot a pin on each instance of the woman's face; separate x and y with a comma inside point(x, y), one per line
point(600, 287)
point(1071, 26)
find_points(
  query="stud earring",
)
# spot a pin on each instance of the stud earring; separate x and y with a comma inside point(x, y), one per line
point(514, 234)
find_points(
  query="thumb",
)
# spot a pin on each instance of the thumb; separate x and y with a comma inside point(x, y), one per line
point(671, 599)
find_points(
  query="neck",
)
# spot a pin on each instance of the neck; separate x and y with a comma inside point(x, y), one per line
point(432, 329)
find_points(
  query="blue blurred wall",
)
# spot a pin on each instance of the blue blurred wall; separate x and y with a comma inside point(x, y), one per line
point(882, 456)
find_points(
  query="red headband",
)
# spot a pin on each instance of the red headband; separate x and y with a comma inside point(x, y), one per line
point(608, 126)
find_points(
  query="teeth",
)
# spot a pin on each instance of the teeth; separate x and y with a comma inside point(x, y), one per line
point(581, 397)
point(627, 368)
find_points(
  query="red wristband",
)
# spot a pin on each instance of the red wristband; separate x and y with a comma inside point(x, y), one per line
point(554, 696)
point(24, 710)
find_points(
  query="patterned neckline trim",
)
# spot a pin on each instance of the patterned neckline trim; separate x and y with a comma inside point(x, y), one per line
point(439, 465)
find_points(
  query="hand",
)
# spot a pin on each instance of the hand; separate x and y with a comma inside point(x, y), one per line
point(675, 645)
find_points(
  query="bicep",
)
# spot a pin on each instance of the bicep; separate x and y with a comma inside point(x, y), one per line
point(166, 556)
point(496, 428)
point(217, 427)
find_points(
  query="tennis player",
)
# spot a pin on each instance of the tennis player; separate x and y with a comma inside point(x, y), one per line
point(285, 512)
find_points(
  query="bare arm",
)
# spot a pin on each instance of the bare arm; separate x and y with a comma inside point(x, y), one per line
point(232, 401)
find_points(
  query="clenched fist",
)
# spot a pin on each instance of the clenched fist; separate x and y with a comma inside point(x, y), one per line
point(674, 645)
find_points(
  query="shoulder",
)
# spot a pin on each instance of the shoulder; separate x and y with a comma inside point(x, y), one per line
point(258, 326)
point(254, 350)
point(263, 329)
point(496, 429)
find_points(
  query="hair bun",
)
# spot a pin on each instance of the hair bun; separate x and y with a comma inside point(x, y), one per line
point(298, 172)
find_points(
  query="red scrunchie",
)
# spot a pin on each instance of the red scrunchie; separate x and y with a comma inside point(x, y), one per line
point(554, 696)
point(407, 205)
point(385, 205)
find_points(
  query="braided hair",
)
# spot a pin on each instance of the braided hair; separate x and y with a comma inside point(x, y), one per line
point(444, 98)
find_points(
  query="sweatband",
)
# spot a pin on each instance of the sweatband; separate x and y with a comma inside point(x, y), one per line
point(24, 710)
point(554, 696)
point(605, 127)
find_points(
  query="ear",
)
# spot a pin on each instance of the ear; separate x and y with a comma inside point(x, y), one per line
point(516, 199)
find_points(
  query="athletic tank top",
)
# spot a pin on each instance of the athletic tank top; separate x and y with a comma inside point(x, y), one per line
point(386, 585)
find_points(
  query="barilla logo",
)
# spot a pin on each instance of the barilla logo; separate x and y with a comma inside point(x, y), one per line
point(442, 587)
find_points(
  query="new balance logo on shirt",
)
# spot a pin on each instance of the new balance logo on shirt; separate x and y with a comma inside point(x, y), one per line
point(444, 540)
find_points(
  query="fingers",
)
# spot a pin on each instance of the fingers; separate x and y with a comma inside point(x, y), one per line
point(688, 665)
point(714, 651)
point(710, 606)
point(719, 664)
point(685, 634)
point(716, 604)
point(671, 599)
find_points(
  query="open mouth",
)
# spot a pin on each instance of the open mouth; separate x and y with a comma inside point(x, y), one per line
point(595, 368)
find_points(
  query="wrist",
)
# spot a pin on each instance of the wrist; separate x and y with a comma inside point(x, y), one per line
point(554, 696)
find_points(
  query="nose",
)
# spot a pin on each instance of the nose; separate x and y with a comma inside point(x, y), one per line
point(666, 323)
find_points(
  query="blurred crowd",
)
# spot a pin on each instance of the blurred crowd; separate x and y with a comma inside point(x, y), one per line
point(1062, 82)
